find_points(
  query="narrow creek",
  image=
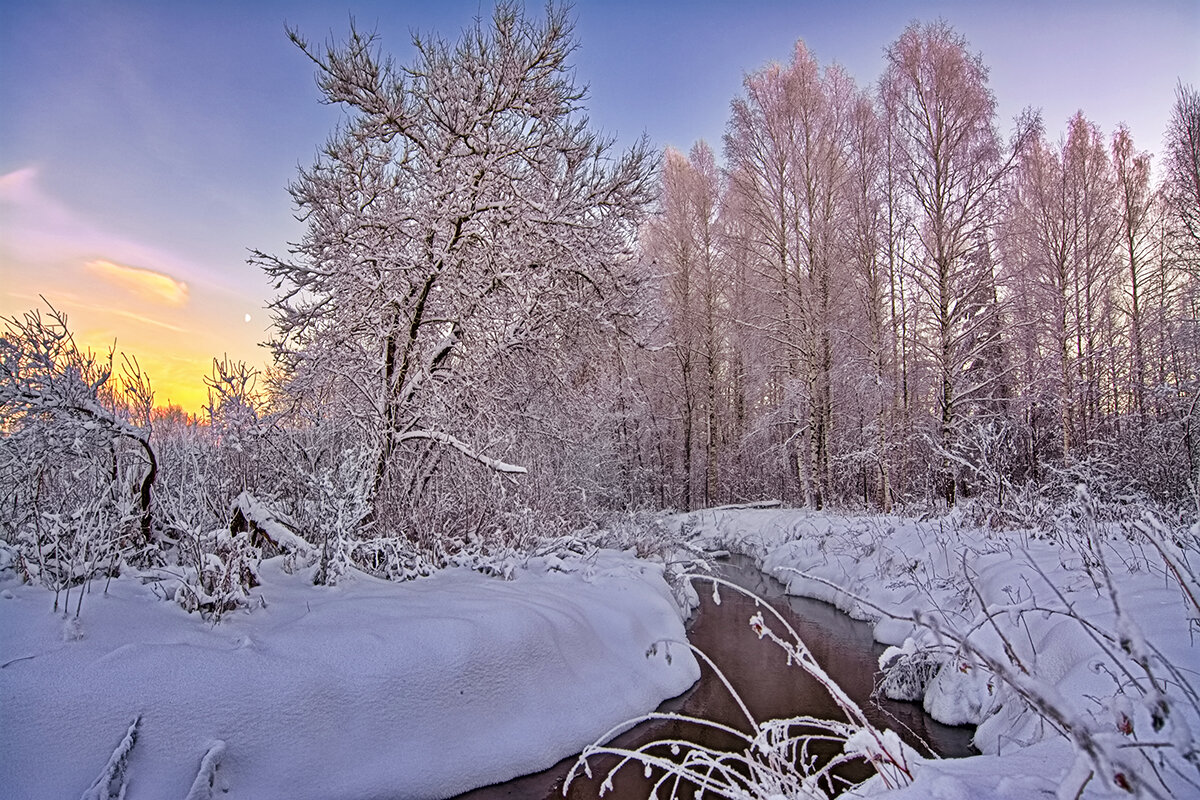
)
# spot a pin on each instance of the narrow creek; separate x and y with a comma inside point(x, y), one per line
point(769, 687)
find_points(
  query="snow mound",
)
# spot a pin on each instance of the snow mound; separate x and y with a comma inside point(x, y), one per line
point(366, 690)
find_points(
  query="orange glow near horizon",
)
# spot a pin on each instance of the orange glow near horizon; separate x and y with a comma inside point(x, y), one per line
point(172, 315)
point(174, 357)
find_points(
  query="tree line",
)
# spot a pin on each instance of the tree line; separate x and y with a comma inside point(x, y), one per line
point(881, 297)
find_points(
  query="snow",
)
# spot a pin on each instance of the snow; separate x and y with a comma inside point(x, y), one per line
point(1051, 633)
point(369, 689)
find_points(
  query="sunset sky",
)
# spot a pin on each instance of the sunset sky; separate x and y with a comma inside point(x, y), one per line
point(146, 146)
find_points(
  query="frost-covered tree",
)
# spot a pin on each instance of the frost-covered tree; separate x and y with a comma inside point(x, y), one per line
point(1182, 182)
point(1061, 235)
point(465, 224)
point(1135, 226)
point(872, 371)
point(951, 161)
point(787, 148)
point(684, 245)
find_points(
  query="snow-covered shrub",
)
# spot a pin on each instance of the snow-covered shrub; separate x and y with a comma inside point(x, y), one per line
point(908, 670)
point(225, 572)
point(77, 469)
point(61, 550)
point(392, 557)
point(336, 511)
point(9, 557)
point(242, 445)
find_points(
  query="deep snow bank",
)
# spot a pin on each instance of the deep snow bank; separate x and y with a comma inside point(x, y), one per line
point(365, 690)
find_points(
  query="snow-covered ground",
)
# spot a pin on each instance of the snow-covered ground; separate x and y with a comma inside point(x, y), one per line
point(365, 690)
point(1049, 655)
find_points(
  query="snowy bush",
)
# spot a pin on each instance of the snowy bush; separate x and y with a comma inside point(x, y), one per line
point(226, 569)
point(77, 469)
point(235, 412)
point(908, 670)
point(66, 550)
point(336, 512)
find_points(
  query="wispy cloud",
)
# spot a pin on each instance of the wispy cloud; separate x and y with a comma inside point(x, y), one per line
point(37, 228)
point(148, 284)
point(65, 300)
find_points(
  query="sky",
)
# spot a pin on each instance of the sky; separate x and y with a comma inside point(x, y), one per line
point(146, 147)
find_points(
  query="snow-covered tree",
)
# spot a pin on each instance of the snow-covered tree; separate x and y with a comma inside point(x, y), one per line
point(1182, 184)
point(1135, 202)
point(787, 148)
point(684, 246)
point(465, 224)
point(951, 161)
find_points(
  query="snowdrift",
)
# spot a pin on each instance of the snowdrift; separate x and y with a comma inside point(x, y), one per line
point(369, 689)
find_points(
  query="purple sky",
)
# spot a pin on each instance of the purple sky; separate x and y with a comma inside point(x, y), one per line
point(144, 146)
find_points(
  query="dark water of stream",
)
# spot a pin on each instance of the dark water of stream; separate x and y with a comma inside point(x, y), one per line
point(770, 688)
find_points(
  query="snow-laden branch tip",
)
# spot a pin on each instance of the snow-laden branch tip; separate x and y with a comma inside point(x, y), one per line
point(110, 784)
point(206, 776)
point(466, 450)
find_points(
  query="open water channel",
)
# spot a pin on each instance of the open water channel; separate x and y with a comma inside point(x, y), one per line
point(770, 688)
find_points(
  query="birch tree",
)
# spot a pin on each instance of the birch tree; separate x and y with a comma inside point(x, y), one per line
point(1182, 180)
point(1135, 227)
point(788, 160)
point(1092, 237)
point(1037, 250)
point(683, 241)
point(867, 247)
point(951, 160)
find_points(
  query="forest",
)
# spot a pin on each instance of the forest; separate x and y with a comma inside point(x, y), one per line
point(502, 335)
point(496, 326)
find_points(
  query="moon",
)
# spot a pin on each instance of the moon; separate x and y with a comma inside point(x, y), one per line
point(247, 318)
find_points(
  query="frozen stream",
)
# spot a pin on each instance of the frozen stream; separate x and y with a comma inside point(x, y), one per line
point(768, 686)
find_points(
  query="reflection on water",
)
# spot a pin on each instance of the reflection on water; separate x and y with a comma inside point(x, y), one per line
point(769, 687)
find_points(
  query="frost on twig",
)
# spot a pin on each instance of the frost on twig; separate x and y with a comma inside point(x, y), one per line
point(780, 757)
point(1175, 561)
point(112, 781)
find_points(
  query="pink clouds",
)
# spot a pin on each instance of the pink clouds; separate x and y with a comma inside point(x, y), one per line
point(39, 233)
